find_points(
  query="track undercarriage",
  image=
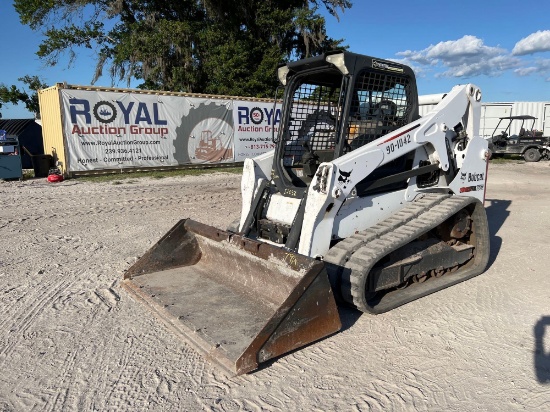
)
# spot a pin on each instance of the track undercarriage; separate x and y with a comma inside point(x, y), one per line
point(432, 243)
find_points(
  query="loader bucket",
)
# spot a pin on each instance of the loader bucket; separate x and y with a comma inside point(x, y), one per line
point(237, 301)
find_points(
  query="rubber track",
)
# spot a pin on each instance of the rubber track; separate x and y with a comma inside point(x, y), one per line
point(353, 257)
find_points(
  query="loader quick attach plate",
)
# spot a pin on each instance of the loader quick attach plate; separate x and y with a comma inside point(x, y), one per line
point(237, 301)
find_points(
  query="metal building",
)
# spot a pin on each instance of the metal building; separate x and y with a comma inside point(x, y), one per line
point(29, 134)
point(491, 112)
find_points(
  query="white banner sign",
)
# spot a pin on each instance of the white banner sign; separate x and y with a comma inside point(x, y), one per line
point(254, 123)
point(107, 130)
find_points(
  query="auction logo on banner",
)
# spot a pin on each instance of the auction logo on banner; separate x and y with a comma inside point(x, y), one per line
point(263, 119)
point(137, 118)
point(255, 125)
point(256, 115)
point(105, 112)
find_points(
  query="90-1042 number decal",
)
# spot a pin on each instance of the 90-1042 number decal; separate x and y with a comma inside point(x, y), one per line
point(398, 143)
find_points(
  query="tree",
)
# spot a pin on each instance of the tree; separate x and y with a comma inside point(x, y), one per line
point(207, 46)
point(14, 95)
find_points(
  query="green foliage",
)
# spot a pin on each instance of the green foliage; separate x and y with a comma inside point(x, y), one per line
point(207, 46)
point(13, 95)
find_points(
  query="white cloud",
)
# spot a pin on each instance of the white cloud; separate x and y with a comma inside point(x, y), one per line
point(525, 71)
point(466, 48)
point(539, 66)
point(415, 56)
point(469, 57)
point(465, 57)
point(534, 43)
point(493, 66)
point(419, 70)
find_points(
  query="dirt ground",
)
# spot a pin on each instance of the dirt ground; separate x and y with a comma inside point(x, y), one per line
point(72, 339)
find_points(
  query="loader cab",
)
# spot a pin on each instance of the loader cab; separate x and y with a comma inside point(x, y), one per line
point(313, 110)
point(333, 104)
point(379, 105)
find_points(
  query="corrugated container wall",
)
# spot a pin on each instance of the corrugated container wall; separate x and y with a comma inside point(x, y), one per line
point(52, 124)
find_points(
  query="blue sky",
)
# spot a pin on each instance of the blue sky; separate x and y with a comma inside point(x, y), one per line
point(502, 46)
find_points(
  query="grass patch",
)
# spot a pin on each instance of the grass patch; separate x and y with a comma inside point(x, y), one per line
point(507, 159)
point(28, 173)
point(130, 177)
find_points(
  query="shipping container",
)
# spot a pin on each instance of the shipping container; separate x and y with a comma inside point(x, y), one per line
point(88, 129)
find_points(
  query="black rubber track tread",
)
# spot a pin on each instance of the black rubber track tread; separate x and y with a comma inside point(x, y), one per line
point(351, 260)
point(353, 292)
point(339, 254)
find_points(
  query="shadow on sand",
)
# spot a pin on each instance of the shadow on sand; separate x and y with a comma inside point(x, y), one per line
point(497, 213)
point(542, 357)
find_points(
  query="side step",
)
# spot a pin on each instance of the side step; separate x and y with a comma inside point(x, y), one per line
point(237, 301)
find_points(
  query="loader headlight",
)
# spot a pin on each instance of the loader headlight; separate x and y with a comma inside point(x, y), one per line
point(339, 62)
point(282, 72)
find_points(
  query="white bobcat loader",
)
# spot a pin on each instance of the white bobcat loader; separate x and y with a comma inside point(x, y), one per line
point(362, 202)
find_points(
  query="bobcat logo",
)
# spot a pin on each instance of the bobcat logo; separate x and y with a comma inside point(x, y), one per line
point(344, 177)
point(462, 175)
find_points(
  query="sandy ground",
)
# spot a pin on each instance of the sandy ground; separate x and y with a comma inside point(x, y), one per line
point(72, 339)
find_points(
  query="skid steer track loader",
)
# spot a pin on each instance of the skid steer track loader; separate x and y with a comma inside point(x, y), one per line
point(362, 202)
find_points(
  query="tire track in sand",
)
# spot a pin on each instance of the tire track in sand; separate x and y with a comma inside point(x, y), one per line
point(25, 318)
point(79, 382)
point(121, 207)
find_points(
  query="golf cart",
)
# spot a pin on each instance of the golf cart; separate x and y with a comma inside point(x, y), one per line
point(528, 142)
